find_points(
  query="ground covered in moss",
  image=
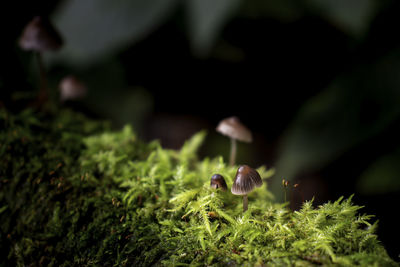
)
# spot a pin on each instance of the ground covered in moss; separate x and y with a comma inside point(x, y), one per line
point(72, 192)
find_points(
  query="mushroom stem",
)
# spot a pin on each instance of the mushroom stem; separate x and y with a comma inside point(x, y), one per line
point(233, 152)
point(43, 80)
point(245, 203)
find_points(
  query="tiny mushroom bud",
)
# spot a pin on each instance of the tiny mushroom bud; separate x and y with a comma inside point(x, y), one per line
point(245, 181)
point(71, 89)
point(235, 130)
point(285, 183)
point(218, 181)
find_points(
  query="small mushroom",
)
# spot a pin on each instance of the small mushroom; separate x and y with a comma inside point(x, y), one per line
point(246, 180)
point(218, 181)
point(235, 130)
point(40, 36)
point(71, 89)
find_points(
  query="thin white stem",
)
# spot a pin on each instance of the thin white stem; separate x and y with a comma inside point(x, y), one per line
point(233, 152)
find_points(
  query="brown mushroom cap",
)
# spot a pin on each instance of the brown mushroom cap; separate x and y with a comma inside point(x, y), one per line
point(246, 179)
point(233, 128)
point(218, 181)
point(39, 35)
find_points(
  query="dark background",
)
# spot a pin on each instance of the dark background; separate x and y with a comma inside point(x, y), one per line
point(318, 83)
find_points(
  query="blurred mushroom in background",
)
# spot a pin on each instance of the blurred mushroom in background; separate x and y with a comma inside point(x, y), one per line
point(72, 89)
point(235, 130)
point(40, 36)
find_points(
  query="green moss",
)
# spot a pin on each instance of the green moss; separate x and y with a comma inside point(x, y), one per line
point(75, 193)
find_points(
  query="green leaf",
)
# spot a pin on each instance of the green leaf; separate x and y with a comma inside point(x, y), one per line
point(352, 16)
point(381, 177)
point(97, 28)
point(206, 20)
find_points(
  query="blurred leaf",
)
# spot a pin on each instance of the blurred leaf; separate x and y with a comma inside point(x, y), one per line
point(283, 10)
point(382, 176)
point(355, 107)
point(352, 16)
point(125, 106)
point(134, 106)
point(110, 96)
point(206, 20)
point(94, 28)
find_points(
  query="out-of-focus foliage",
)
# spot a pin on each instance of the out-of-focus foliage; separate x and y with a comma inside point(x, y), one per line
point(96, 28)
point(206, 18)
point(382, 176)
point(281, 10)
point(355, 107)
point(352, 17)
point(75, 193)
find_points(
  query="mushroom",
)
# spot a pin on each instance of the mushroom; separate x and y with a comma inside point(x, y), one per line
point(218, 181)
point(40, 36)
point(72, 88)
point(235, 130)
point(245, 180)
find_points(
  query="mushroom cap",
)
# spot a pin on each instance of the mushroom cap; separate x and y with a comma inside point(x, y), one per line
point(72, 88)
point(246, 179)
point(218, 181)
point(233, 128)
point(39, 35)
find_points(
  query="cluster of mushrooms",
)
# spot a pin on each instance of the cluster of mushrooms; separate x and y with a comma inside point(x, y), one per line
point(246, 178)
point(39, 36)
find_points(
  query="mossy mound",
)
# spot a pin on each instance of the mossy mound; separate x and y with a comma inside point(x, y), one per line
point(75, 193)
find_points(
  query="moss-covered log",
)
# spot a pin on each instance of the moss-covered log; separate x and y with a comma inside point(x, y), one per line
point(74, 193)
